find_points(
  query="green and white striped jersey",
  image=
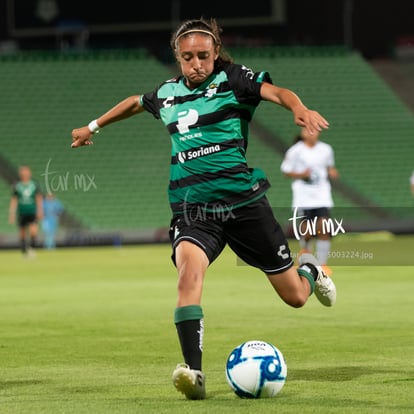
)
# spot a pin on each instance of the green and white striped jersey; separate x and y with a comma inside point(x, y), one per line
point(208, 127)
point(26, 193)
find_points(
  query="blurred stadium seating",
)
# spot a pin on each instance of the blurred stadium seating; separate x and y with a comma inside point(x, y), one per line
point(370, 128)
point(120, 182)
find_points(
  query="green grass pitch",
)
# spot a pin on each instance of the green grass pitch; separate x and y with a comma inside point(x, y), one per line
point(90, 330)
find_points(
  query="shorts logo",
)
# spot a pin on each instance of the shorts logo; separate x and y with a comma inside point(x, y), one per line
point(280, 253)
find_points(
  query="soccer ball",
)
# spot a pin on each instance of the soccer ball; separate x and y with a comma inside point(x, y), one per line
point(256, 369)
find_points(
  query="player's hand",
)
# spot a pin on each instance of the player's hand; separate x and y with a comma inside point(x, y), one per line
point(306, 175)
point(311, 120)
point(81, 136)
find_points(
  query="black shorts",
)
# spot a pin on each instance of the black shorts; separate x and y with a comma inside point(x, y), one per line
point(311, 213)
point(251, 231)
point(24, 220)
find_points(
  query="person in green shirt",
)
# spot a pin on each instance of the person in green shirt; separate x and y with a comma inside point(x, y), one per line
point(26, 209)
point(216, 198)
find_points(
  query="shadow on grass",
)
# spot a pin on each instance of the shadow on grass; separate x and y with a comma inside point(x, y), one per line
point(338, 374)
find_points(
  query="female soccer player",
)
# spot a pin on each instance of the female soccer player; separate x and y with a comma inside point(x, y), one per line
point(215, 198)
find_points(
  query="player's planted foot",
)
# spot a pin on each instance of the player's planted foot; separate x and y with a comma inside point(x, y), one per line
point(325, 289)
point(190, 382)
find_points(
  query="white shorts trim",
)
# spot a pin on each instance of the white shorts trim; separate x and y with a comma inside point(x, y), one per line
point(191, 239)
point(280, 269)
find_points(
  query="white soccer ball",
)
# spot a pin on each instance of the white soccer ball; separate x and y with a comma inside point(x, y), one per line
point(256, 369)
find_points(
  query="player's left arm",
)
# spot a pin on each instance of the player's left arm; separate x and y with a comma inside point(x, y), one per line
point(303, 116)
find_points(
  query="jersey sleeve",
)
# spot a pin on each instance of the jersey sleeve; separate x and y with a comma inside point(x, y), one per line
point(151, 104)
point(288, 163)
point(245, 83)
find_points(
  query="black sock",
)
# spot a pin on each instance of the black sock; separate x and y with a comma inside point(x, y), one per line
point(313, 269)
point(33, 242)
point(23, 246)
point(190, 329)
point(309, 272)
point(190, 334)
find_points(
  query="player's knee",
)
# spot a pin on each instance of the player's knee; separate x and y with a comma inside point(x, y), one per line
point(296, 301)
point(293, 297)
point(189, 279)
point(289, 287)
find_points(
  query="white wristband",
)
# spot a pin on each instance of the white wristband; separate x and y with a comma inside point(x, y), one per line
point(93, 127)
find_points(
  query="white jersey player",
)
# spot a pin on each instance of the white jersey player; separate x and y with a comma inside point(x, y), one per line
point(311, 164)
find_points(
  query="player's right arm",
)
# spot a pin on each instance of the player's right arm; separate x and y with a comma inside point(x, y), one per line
point(124, 109)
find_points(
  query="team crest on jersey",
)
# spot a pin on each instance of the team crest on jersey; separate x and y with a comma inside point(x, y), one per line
point(212, 90)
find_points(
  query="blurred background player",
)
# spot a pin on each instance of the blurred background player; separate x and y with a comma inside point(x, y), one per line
point(52, 209)
point(311, 165)
point(26, 208)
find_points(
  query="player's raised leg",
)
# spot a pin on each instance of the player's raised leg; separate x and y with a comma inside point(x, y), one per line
point(295, 286)
point(292, 288)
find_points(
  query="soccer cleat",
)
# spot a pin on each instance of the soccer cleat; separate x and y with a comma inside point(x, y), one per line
point(325, 289)
point(30, 253)
point(190, 382)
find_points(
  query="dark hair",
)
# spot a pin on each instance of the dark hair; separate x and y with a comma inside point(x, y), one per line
point(209, 27)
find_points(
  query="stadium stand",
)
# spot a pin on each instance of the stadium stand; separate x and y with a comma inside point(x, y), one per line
point(5, 193)
point(120, 182)
point(371, 129)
